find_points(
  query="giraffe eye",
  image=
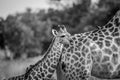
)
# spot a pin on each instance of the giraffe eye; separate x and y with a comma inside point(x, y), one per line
point(63, 36)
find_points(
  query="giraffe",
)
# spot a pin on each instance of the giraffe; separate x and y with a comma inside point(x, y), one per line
point(94, 53)
point(45, 68)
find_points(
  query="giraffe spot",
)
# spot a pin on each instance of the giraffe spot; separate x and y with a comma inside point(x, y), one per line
point(100, 44)
point(48, 56)
point(82, 68)
point(74, 73)
point(54, 49)
point(40, 69)
point(80, 39)
point(83, 54)
point(77, 70)
point(81, 59)
point(45, 72)
point(45, 66)
point(89, 56)
point(101, 39)
point(51, 70)
point(111, 20)
point(118, 68)
point(48, 62)
point(68, 55)
point(55, 59)
point(69, 50)
point(94, 53)
point(114, 48)
point(36, 78)
point(76, 64)
point(75, 57)
point(51, 59)
point(114, 59)
point(107, 51)
point(104, 67)
point(95, 69)
point(104, 30)
point(76, 49)
point(98, 58)
point(79, 44)
point(95, 38)
point(53, 66)
point(79, 65)
point(85, 40)
point(83, 62)
point(73, 38)
point(33, 73)
point(111, 29)
point(88, 43)
point(29, 77)
point(99, 32)
point(117, 41)
point(72, 61)
point(110, 38)
point(106, 33)
point(78, 35)
point(107, 43)
point(90, 37)
point(89, 61)
point(49, 76)
point(108, 25)
point(100, 35)
point(42, 74)
point(95, 31)
point(83, 48)
point(105, 72)
point(110, 67)
point(66, 45)
point(115, 74)
point(105, 59)
point(115, 34)
point(116, 22)
point(39, 75)
point(116, 30)
point(78, 54)
point(93, 47)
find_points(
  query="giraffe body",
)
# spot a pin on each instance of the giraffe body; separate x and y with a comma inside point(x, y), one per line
point(95, 53)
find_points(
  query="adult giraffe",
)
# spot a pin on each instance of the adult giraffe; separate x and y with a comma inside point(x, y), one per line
point(95, 53)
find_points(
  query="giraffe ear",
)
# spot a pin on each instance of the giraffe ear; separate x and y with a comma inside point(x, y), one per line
point(62, 28)
point(54, 32)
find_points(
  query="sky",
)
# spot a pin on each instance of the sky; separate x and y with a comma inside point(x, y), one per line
point(13, 6)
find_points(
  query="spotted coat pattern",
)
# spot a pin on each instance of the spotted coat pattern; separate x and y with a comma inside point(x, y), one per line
point(95, 53)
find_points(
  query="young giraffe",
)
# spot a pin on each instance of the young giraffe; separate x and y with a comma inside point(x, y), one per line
point(95, 53)
point(45, 68)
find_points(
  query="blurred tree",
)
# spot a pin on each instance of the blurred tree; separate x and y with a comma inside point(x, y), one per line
point(2, 43)
point(30, 33)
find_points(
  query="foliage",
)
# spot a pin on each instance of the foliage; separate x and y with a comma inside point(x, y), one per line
point(30, 33)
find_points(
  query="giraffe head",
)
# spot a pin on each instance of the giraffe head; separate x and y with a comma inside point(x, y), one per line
point(62, 35)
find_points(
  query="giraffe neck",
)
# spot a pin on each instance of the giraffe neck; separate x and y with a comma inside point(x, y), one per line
point(45, 68)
